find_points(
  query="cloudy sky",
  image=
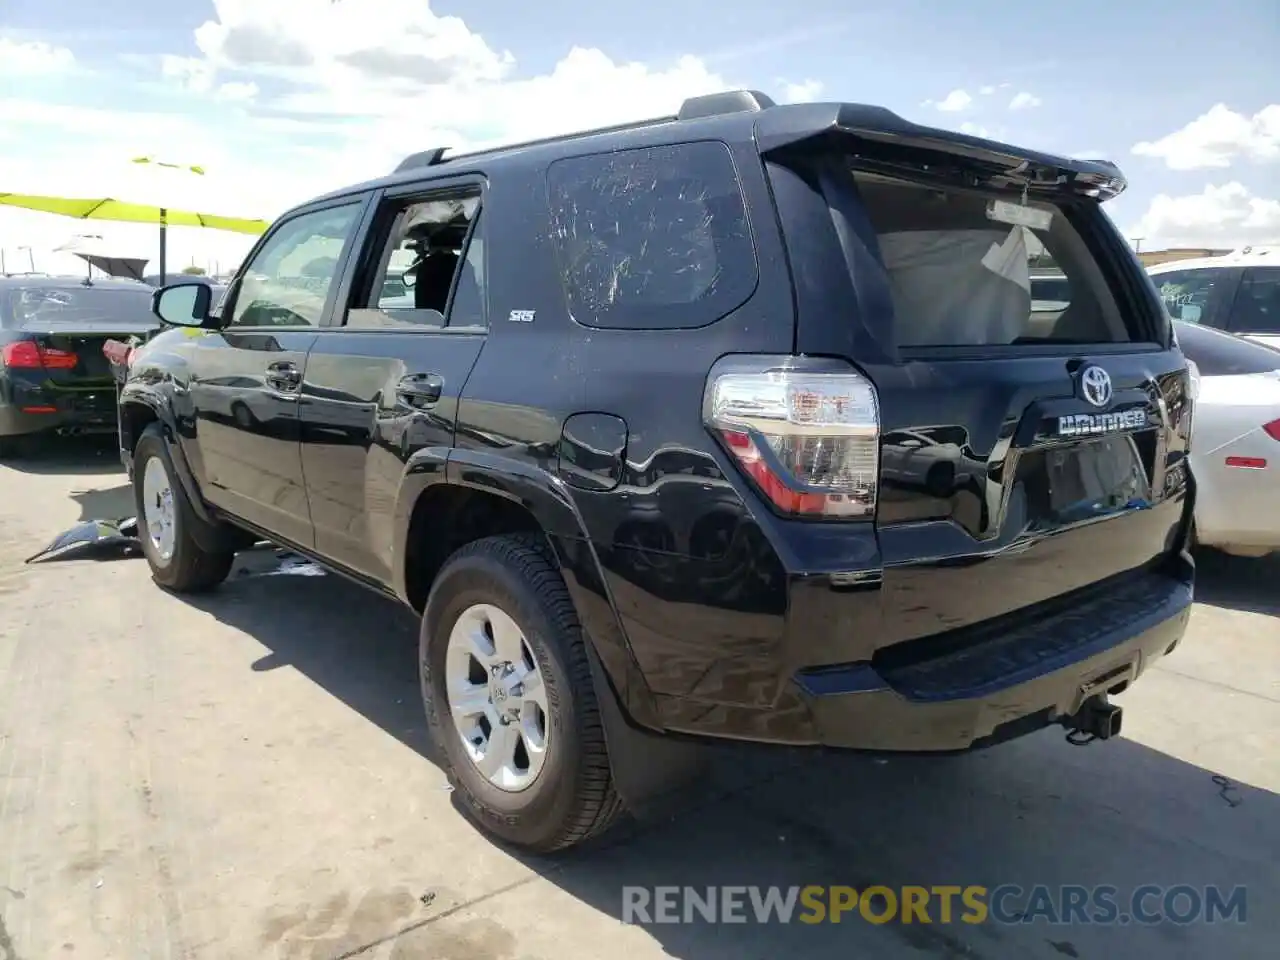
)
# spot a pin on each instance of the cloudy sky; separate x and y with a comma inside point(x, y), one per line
point(282, 99)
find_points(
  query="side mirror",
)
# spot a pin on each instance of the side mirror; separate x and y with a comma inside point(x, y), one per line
point(183, 304)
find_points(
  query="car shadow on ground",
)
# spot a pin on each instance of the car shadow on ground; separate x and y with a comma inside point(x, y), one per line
point(111, 503)
point(1033, 812)
point(1238, 583)
point(69, 456)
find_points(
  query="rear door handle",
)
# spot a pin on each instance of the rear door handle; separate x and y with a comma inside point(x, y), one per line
point(420, 389)
point(283, 375)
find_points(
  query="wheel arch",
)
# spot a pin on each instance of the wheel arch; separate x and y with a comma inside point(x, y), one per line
point(448, 498)
point(138, 410)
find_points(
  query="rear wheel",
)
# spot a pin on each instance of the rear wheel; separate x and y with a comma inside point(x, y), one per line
point(167, 524)
point(510, 700)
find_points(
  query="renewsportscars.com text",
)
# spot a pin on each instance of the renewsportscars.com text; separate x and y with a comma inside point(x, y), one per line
point(1007, 904)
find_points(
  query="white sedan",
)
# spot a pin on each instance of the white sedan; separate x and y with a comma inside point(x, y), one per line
point(1235, 442)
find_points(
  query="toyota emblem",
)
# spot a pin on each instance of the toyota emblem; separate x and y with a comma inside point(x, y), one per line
point(1095, 385)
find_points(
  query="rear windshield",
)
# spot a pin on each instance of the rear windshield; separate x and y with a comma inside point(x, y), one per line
point(962, 276)
point(34, 306)
point(1223, 355)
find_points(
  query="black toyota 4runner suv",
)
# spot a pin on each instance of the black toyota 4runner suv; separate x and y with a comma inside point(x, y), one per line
point(740, 423)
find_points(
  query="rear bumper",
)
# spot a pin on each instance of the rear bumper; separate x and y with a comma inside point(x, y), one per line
point(31, 404)
point(966, 688)
point(79, 413)
point(1013, 680)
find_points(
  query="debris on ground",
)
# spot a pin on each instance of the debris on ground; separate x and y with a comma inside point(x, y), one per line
point(93, 540)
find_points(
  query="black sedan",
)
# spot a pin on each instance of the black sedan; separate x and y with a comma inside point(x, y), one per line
point(54, 378)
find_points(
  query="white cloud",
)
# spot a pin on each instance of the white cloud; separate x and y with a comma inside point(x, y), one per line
point(190, 73)
point(396, 44)
point(988, 90)
point(1024, 101)
point(953, 102)
point(33, 58)
point(290, 98)
point(974, 130)
point(805, 91)
point(1228, 216)
point(237, 91)
point(1216, 138)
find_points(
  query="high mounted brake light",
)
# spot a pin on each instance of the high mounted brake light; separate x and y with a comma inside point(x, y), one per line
point(806, 432)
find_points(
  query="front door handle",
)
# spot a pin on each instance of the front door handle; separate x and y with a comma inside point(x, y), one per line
point(420, 389)
point(283, 375)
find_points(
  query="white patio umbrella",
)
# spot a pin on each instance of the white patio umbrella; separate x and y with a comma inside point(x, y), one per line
point(93, 250)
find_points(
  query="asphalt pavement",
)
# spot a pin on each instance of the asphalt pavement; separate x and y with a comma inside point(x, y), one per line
point(246, 775)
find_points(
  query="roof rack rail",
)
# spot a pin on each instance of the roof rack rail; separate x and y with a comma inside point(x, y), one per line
point(728, 101)
point(423, 158)
point(709, 105)
point(557, 138)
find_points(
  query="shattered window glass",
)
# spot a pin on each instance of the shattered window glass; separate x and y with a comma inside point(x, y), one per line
point(654, 238)
point(88, 304)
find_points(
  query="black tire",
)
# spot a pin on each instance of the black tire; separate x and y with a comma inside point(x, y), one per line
point(191, 568)
point(573, 798)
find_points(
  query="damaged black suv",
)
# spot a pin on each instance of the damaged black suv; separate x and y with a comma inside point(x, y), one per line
point(740, 423)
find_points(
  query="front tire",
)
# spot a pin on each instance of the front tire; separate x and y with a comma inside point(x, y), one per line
point(167, 522)
point(499, 627)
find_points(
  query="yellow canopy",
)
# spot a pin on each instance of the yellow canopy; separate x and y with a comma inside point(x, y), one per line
point(105, 208)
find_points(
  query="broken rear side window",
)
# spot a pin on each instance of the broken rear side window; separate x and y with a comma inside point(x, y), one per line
point(967, 268)
point(652, 238)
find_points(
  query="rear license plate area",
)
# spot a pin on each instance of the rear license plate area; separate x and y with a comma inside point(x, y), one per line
point(99, 404)
point(1094, 477)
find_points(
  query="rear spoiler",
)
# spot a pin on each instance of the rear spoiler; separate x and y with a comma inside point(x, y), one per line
point(901, 144)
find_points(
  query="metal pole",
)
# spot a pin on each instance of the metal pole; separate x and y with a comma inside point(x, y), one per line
point(3, 269)
point(164, 217)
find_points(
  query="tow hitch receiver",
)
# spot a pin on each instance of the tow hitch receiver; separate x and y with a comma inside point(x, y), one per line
point(1097, 719)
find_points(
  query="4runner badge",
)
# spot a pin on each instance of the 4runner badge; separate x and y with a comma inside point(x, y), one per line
point(1091, 424)
point(521, 316)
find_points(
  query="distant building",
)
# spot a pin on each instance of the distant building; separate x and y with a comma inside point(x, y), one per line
point(1150, 258)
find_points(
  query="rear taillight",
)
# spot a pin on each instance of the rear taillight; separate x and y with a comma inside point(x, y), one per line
point(806, 432)
point(28, 355)
point(1272, 429)
point(23, 355)
point(52, 359)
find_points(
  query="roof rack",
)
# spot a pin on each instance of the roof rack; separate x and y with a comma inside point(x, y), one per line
point(694, 108)
point(423, 158)
point(728, 101)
